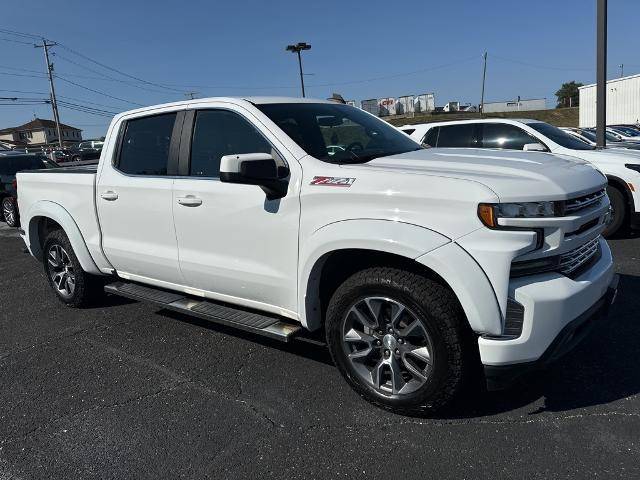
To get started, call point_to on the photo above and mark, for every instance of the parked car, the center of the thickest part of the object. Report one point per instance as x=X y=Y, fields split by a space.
x=9 y=166
x=87 y=150
x=589 y=136
x=621 y=166
x=415 y=262
x=625 y=134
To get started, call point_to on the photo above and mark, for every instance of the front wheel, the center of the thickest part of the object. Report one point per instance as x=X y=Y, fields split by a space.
x=618 y=212
x=72 y=285
x=10 y=212
x=397 y=337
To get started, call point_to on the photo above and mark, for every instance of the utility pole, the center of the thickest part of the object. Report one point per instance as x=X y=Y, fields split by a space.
x=191 y=95
x=621 y=70
x=484 y=76
x=54 y=104
x=601 y=75
x=297 y=48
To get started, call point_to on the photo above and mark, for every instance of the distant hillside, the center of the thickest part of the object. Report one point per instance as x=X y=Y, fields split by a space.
x=561 y=117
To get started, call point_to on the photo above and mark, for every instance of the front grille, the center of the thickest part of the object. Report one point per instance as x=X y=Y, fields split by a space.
x=572 y=261
x=585 y=201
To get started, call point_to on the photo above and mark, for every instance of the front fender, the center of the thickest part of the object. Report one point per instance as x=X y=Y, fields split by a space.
x=399 y=238
x=58 y=214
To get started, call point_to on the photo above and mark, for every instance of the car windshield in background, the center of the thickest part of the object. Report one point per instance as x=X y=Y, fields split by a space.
x=591 y=135
x=11 y=165
x=561 y=137
x=337 y=133
x=629 y=132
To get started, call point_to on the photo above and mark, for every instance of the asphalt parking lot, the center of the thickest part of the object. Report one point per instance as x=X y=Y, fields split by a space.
x=125 y=390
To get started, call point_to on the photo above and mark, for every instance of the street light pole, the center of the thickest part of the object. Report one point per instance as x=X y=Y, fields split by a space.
x=297 y=48
x=621 y=70
x=601 y=61
x=484 y=76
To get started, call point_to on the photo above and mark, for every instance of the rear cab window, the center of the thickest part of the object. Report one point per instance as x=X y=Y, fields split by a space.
x=457 y=136
x=144 y=148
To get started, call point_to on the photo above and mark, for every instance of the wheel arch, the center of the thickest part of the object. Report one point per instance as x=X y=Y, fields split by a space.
x=336 y=251
x=621 y=185
x=45 y=216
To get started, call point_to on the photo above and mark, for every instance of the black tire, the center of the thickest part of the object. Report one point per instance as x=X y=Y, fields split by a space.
x=10 y=212
x=86 y=287
x=437 y=309
x=619 y=212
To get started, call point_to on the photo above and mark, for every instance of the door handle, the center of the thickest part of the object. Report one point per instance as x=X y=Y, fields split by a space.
x=109 y=195
x=189 y=201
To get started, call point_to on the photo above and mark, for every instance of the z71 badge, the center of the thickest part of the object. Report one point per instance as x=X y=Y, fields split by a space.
x=333 y=181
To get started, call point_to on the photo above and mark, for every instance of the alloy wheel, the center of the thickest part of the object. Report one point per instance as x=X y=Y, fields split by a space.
x=8 y=211
x=61 y=270
x=387 y=345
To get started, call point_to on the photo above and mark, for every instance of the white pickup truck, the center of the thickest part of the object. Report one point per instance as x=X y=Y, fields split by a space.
x=417 y=263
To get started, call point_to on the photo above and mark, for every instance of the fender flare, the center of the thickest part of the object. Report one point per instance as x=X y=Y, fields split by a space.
x=399 y=238
x=58 y=214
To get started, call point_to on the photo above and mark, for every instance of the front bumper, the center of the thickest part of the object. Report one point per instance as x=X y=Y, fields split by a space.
x=501 y=376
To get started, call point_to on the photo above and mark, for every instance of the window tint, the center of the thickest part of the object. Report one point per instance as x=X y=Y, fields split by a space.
x=431 y=138
x=218 y=133
x=457 y=136
x=502 y=135
x=145 y=146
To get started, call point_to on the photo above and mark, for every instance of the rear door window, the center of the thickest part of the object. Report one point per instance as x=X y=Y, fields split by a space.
x=145 y=145
x=457 y=136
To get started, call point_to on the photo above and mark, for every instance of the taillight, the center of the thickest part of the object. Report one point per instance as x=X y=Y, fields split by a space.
x=15 y=183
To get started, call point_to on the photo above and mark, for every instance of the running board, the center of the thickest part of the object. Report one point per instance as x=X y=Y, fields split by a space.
x=250 y=321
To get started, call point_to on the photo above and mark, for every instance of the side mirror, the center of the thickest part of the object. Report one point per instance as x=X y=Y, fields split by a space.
x=256 y=169
x=534 y=147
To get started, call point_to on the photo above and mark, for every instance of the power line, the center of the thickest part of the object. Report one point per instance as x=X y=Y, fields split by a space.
x=544 y=67
x=16 y=41
x=70 y=50
x=21 y=34
x=97 y=91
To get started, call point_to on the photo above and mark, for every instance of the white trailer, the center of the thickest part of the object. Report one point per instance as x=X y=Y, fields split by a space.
x=623 y=102
x=517 y=105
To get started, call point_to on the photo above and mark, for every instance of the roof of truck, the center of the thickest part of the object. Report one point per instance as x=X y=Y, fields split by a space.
x=254 y=100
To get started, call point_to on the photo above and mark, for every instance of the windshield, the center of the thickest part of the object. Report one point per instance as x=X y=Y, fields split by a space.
x=629 y=132
x=562 y=138
x=338 y=133
x=591 y=135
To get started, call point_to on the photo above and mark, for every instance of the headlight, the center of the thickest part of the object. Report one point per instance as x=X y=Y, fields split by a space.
x=633 y=166
x=489 y=213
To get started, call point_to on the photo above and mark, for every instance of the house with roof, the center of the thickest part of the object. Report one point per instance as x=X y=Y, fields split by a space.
x=38 y=132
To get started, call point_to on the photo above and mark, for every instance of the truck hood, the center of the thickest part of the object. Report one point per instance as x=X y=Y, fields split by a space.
x=511 y=175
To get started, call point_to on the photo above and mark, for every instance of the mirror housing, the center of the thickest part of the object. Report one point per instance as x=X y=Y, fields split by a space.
x=534 y=147
x=255 y=169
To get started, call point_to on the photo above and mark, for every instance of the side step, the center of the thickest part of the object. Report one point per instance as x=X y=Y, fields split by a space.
x=263 y=324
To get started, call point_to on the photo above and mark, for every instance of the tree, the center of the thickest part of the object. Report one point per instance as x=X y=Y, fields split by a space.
x=568 y=94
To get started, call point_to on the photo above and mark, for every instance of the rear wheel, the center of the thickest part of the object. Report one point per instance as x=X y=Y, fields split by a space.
x=10 y=212
x=72 y=285
x=618 y=211
x=397 y=337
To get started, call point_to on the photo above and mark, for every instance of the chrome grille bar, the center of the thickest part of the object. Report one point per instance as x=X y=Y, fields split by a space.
x=580 y=203
x=571 y=261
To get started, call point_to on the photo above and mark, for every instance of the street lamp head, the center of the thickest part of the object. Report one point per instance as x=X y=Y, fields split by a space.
x=298 y=47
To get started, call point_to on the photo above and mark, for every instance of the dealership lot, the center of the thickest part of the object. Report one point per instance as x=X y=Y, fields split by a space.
x=125 y=390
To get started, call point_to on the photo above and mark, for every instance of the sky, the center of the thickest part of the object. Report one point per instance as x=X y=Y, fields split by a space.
x=150 y=52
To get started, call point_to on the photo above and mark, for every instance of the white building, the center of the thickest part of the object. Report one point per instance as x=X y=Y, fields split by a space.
x=518 y=105
x=623 y=102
